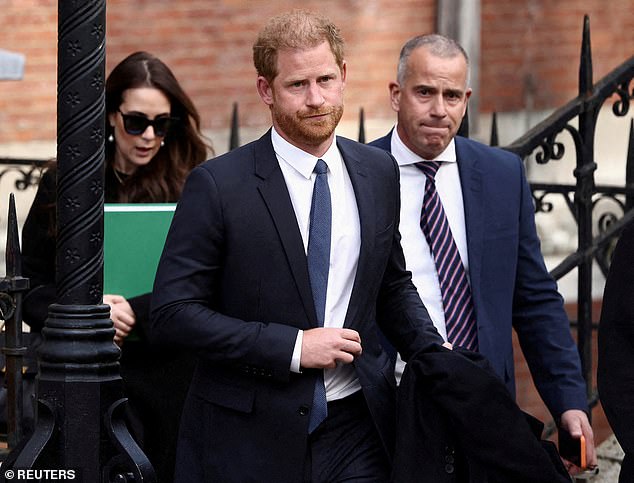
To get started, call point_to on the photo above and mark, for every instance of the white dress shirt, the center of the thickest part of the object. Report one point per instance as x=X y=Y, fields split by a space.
x=418 y=257
x=297 y=168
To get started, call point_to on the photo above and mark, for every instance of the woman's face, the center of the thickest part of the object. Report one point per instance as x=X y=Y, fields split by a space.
x=134 y=150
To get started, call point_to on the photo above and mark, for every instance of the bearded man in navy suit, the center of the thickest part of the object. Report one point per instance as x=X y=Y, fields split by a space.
x=488 y=205
x=235 y=284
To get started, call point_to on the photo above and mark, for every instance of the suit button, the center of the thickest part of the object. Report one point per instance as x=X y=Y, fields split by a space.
x=449 y=469
x=449 y=459
x=303 y=410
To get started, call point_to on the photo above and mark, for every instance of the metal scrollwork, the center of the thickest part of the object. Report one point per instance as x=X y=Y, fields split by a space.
x=30 y=173
x=550 y=150
x=542 y=206
x=605 y=220
x=576 y=137
x=7 y=306
x=604 y=223
x=622 y=105
x=608 y=217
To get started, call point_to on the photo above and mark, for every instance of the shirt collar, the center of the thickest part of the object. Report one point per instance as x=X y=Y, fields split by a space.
x=405 y=156
x=301 y=161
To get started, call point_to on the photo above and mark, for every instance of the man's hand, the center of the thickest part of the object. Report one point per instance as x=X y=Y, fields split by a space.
x=122 y=316
x=323 y=347
x=576 y=423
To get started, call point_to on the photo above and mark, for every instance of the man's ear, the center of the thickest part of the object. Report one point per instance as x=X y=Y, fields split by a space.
x=265 y=90
x=395 y=95
x=467 y=95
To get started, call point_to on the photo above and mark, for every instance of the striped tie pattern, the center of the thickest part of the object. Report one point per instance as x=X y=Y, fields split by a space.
x=454 y=285
x=318 y=258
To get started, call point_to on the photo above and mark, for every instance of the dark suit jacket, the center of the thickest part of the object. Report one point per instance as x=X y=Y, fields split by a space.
x=457 y=423
x=233 y=284
x=615 y=372
x=510 y=284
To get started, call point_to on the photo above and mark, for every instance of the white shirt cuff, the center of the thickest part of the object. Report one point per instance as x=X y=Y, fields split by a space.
x=297 y=353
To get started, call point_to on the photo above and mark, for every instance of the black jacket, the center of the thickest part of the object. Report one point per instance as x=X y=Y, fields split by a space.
x=615 y=371
x=458 y=423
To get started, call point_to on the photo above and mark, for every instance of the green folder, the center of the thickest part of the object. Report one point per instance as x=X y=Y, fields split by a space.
x=134 y=235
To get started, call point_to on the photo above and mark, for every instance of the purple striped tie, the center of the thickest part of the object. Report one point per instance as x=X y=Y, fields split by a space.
x=454 y=285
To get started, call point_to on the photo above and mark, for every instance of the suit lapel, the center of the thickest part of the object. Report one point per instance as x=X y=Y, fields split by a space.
x=471 y=180
x=365 y=204
x=275 y=194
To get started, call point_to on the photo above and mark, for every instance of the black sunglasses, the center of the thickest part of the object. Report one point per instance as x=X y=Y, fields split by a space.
x=136 y=124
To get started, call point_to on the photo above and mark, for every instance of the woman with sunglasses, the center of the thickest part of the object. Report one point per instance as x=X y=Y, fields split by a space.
x=153 y=141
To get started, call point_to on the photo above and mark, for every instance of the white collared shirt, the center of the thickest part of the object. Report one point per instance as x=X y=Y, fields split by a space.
x=418 y=258
x=297 y=168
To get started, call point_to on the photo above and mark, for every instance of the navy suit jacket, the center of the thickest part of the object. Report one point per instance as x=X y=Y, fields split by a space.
x=510 y=284
x=233 y=285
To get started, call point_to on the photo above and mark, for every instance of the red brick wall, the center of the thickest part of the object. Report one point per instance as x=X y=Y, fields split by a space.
x=212 y=51
x=529 y=56
x=28 y=107
x=208 y=46
x=530 y=49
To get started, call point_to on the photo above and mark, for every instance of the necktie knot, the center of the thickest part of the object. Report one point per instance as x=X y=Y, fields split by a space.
x=430 y=168
x=321 y=167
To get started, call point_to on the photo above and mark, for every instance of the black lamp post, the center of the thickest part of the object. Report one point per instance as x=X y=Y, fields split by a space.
x=79 y=420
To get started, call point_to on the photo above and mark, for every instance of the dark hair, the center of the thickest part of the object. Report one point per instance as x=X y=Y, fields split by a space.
x=185 y=147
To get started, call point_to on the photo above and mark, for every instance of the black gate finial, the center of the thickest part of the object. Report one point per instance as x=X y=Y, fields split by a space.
x=12 y=287
x=585 y=64
x=361 y=126
x=494 y=130
x=234 y=137
x=629 y=168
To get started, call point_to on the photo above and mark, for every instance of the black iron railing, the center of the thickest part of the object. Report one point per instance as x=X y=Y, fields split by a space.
x=582 y=197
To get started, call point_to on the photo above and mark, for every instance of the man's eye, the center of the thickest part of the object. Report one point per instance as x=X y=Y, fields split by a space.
x=453 y=97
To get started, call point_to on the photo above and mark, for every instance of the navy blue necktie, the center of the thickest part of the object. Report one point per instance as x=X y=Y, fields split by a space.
x=318 y=266
x=452 y=276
